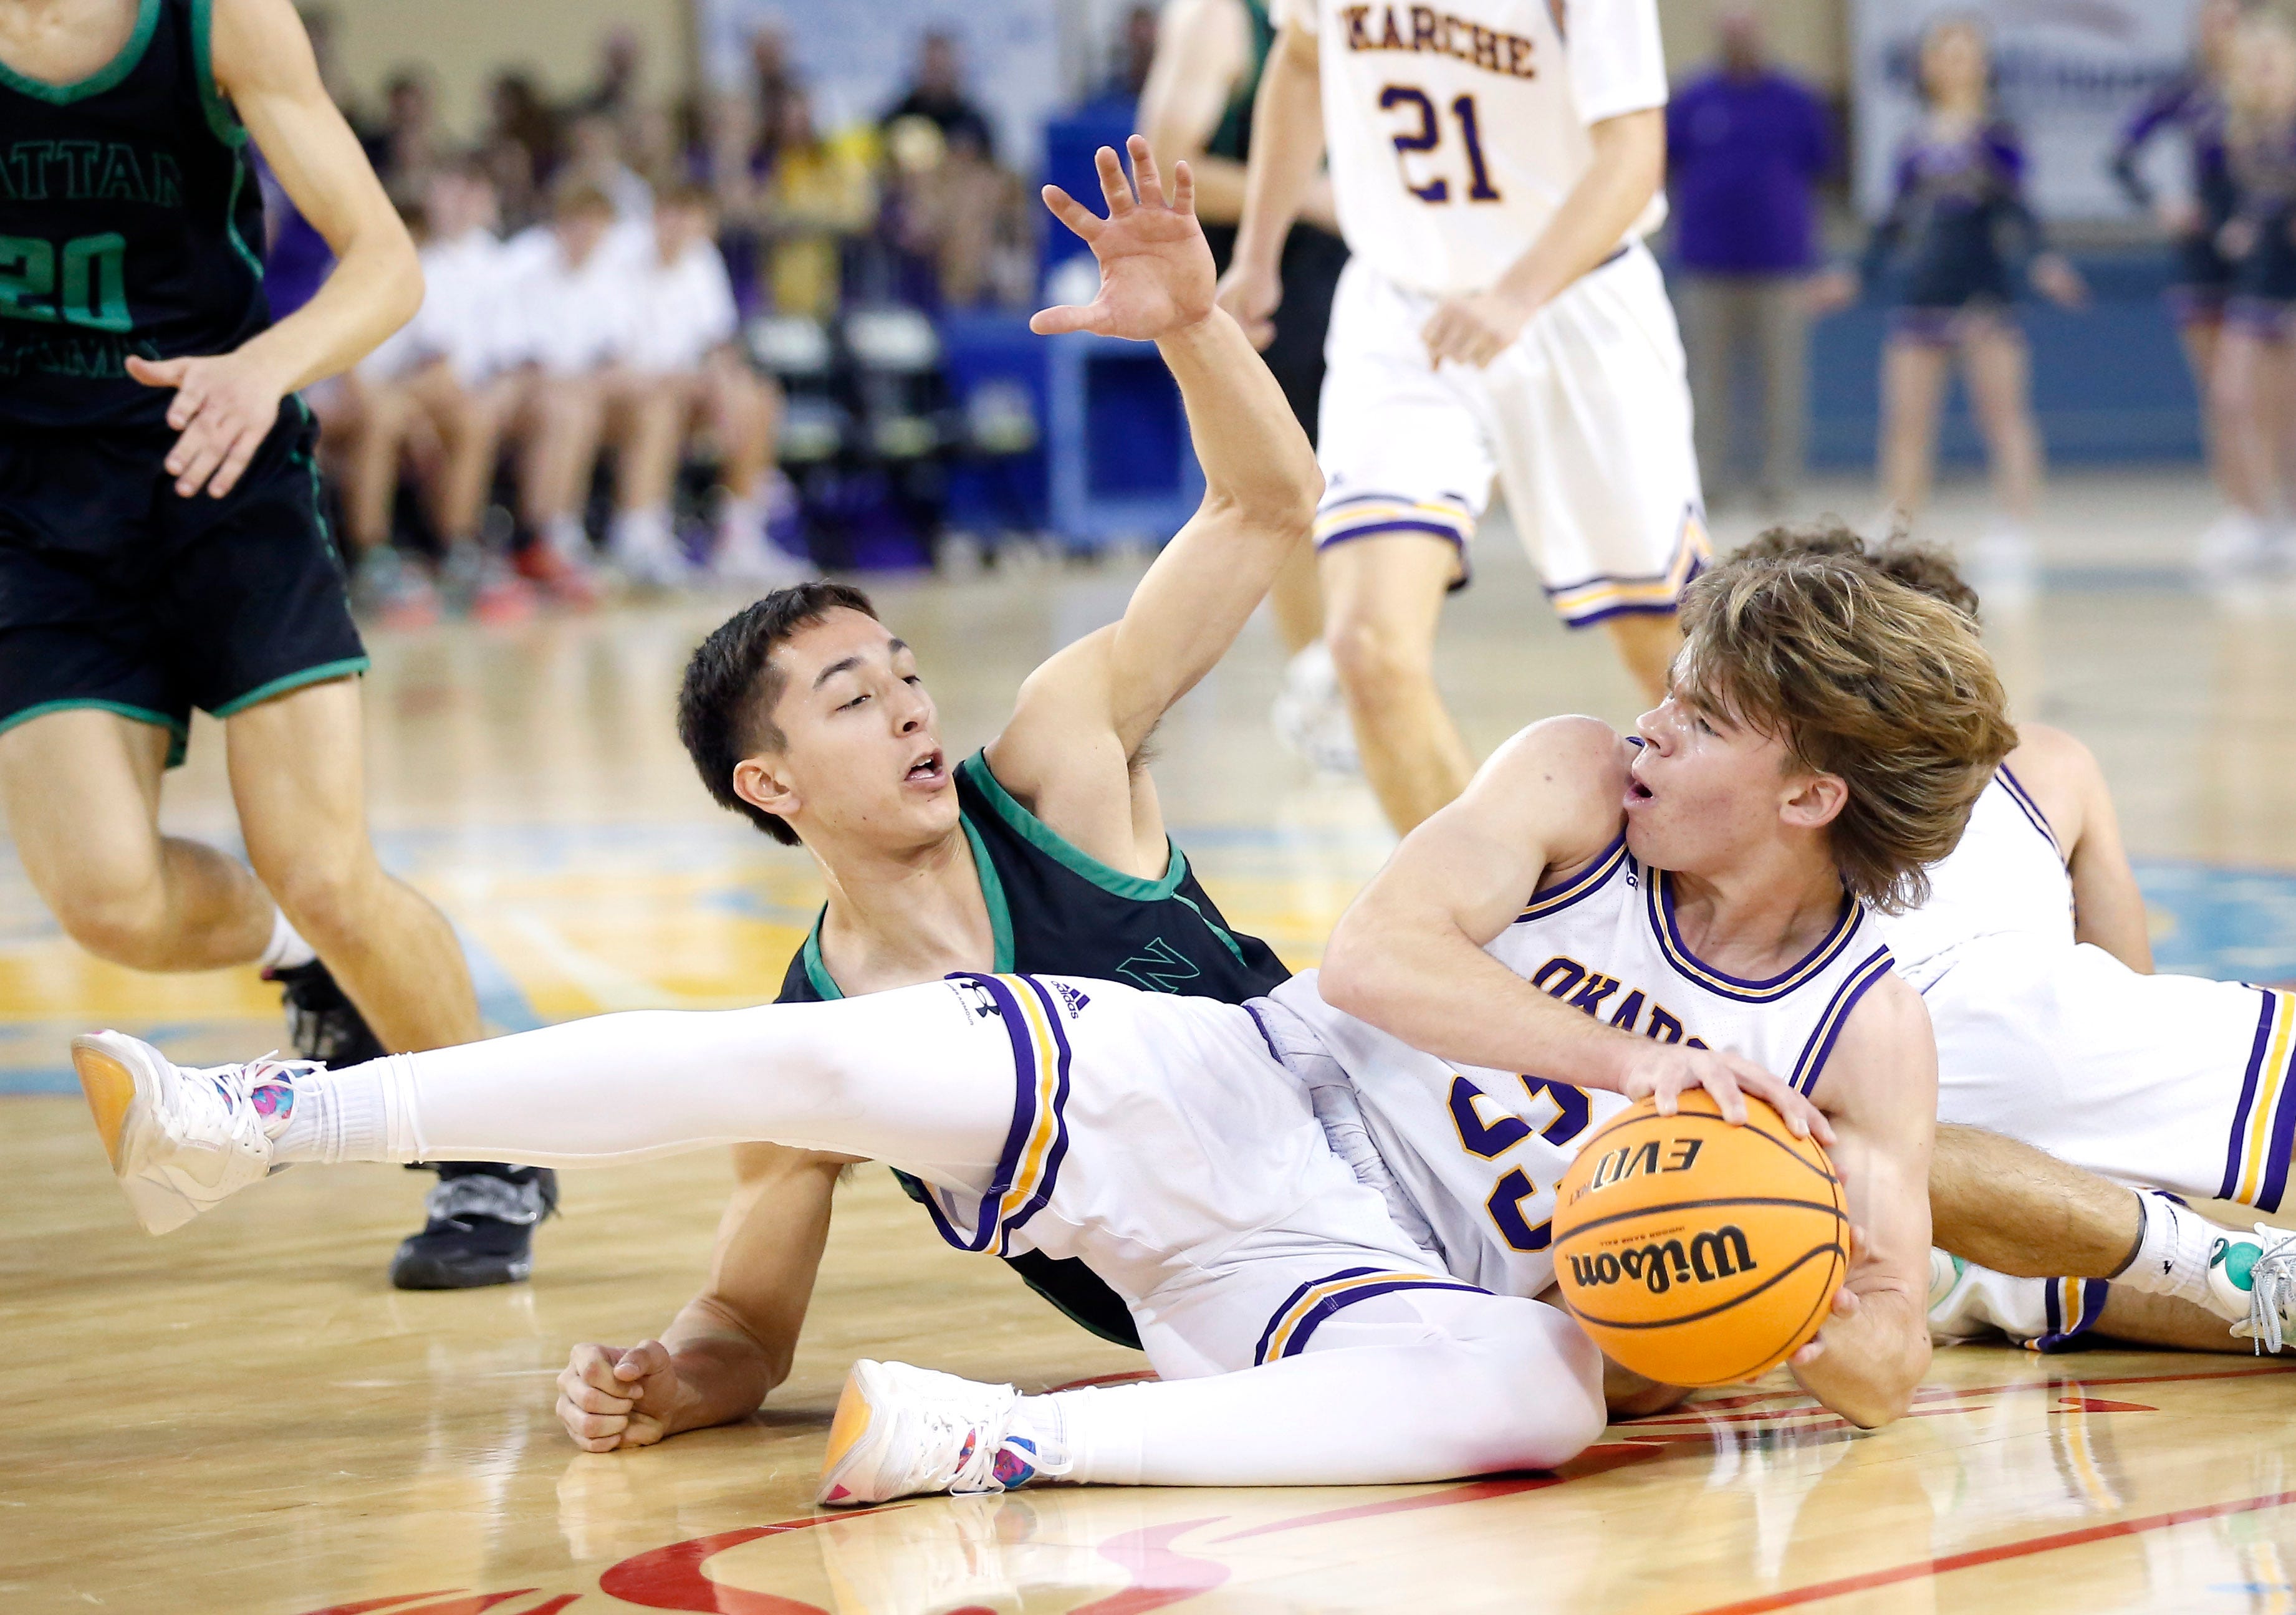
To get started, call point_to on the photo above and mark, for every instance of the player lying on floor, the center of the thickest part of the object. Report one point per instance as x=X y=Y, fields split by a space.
x=1175 y=1145
x=2054 y=1036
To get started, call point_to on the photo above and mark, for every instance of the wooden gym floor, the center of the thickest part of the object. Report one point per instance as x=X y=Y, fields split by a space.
x=245 y=1418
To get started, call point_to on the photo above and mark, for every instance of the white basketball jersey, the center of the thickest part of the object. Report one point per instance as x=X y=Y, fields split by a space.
x=2006 y=875
x=1479 y=1153
x=1455 y=131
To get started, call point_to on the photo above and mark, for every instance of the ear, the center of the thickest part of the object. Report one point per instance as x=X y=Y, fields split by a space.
x=757 y=780
x=1818 y=803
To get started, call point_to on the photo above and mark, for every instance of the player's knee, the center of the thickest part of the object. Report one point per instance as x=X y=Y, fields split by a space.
x=1377 y=659
x=325 y=897
x=123 y=921
x=1538 y=1382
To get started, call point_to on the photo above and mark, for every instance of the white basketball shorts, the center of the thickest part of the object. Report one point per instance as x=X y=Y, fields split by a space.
x=1584 y=422
x=2161 y=1082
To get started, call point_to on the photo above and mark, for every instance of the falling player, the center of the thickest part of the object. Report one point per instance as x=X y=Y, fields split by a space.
x=161 y=542
x=1177 y=1145
x=1496 y=166
x=2054 y=1034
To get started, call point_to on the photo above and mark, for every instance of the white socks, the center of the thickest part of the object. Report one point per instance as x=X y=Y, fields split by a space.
x=2172 y=1254
x=340 y=1116
x=286 y=950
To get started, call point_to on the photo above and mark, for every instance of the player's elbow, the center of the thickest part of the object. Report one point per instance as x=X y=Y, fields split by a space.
x=1885 y=1393
x=398 y=291
x=1354 y=973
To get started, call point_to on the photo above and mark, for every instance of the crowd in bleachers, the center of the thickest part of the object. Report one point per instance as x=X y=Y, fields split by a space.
x=588 y=394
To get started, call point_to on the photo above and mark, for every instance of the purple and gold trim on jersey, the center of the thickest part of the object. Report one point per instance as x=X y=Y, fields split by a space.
x=1587 y=881
x=2030 y=809
x=1590 y=600
x=1364 y=515
x=2263 y=1126
x=1657 y=901
x=1303 y=1312
x=1836 y=1015
x=2072 y=1306
x=1038 y=1139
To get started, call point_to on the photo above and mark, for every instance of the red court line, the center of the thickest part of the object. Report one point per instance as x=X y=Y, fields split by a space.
x=1818 y=1591
x=1931 y=1393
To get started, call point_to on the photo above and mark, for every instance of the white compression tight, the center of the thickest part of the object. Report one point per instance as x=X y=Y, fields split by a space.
x=1430 y=1384
x=1415 y=1385
x=912 y=1077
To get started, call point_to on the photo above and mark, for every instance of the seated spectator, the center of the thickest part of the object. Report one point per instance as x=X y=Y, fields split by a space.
x=521 y=145
x=408 y=144
x=1134 y=54
x=432 y=396
x=938 y=96
x=622 y=63
x=680 y=370
x=566 y=310
x=819 y=192
x=963 y=215
x=594 y=158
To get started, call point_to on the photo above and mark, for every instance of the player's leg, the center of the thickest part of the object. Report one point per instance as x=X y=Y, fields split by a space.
x=2237 y=398
x=1383 y=593
x=558 y=433
x=1591 y=419
x=82 y=791
x=745 y=411
x=1710 y=339
x=2200 y=332
x=1915 y=363
x=1782 y=317
x=647 y=419
x=1645 y=641
x=1998 y=363
x=1437 y=1382
x=299 y=780
x=470 y=423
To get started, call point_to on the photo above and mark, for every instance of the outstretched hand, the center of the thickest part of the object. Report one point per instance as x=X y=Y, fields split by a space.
x=1155 y=267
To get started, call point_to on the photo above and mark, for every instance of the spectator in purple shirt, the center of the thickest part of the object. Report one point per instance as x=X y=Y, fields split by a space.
x=1745 y=145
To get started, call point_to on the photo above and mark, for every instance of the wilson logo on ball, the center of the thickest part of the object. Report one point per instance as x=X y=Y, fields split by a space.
x=1660 y=1265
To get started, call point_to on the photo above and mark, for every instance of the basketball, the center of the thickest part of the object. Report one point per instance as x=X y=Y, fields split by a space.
x=1696 y=1252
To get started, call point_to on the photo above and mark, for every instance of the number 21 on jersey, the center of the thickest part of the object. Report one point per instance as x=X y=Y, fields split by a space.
x=1426 y=135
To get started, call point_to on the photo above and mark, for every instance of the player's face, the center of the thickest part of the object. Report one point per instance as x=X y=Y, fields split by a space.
x=863 y=753
x=1954 y=66
x=1702 y=792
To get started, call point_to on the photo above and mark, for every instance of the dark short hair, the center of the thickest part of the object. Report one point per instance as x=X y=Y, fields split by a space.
x=686 y=194
x=725 y=704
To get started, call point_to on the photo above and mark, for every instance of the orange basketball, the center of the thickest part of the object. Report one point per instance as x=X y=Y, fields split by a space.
x=1696 y=1252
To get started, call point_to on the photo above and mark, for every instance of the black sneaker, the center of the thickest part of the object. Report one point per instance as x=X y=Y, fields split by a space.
x=481 y=1230
x=322 y=1021
x=479 y=1226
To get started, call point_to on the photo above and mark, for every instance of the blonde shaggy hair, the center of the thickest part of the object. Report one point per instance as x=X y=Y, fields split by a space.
x=1860 y=677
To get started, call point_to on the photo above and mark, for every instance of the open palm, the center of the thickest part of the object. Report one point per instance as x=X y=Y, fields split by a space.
x=1155 y=268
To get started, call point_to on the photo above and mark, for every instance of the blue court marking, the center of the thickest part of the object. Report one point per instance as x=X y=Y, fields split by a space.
x=2238 y=925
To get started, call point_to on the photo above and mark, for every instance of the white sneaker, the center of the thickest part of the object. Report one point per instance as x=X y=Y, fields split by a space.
x=746 y=557
x=2002 y=568
x=1311 y=716
x=2234 y=548
x=181 y=1139
x=2258 y=1272
x=644 y=549
x=900 y=1432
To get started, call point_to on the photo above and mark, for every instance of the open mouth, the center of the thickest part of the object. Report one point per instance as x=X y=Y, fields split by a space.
x=930 y=769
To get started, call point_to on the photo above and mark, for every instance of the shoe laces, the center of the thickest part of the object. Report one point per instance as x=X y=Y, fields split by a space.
x=221 y=1098
x=2272 y=1290
x=976 y=1468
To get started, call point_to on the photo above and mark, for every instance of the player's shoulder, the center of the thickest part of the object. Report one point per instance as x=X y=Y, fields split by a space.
x=2058 y=771
x=1568 y=773
x=1885 y=1057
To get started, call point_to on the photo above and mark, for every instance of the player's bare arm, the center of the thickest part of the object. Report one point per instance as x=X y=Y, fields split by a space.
x=1880 y=1092
x=1287 y=148
x=1628 y=167
x=226 y=404
x=1408 y=956
x=731 y=1345
x=1202 y=47
x=1083 y=716
x=2062 y=777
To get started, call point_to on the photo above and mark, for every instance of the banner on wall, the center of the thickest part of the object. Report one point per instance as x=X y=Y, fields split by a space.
x=2068 y=73
x=857 y=56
